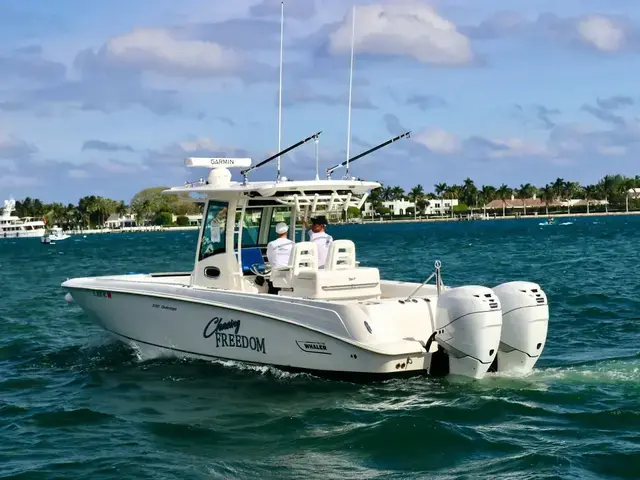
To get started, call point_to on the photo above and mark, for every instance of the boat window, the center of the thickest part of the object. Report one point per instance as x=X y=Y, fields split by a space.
x=280 y=214
x=213 y=238
x=250 y=227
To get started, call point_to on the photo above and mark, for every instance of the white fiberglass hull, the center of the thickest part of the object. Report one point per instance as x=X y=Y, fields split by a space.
x=54 y=238
x=265 y=330
x=459 y=332
x=23 y=234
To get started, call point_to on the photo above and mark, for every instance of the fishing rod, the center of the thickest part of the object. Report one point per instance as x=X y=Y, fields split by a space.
x=371 y=150
x=279 y=154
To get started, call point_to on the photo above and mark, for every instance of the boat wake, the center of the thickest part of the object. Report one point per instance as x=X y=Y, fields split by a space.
x=613 y=371
x=547 y=224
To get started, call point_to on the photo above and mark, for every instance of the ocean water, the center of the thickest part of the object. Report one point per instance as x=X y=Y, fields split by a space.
x=76 y=404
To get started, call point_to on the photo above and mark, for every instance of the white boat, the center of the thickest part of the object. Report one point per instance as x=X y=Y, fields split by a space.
x=340 y=319
x=55 y=234
x=16 y=227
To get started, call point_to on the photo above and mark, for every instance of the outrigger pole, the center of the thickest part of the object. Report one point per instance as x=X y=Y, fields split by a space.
x=278 y=155
x=371 y=150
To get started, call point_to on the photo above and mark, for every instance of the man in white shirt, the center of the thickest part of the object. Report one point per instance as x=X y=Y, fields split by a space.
x=321 y=238
x=279 y=250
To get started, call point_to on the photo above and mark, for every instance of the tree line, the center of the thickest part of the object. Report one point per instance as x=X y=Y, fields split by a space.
x=149 y=205
x=153 y=207
x=612 y=188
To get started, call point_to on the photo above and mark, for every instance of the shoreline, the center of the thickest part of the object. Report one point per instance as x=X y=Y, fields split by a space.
x=498 y=217
x=96 y=231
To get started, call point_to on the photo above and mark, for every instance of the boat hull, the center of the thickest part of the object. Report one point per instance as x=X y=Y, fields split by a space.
x=23 y=234
x=206 y=329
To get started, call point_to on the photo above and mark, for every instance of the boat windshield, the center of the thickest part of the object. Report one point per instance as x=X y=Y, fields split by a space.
x=213 y=237
x=250 y=227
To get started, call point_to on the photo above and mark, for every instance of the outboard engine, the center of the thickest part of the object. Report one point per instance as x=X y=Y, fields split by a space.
x=468 y=326
x=525 y=318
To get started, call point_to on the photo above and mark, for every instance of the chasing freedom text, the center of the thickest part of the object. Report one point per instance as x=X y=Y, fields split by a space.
x=226 y=334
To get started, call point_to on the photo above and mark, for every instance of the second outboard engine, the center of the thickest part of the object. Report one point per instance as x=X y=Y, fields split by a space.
x=525 y=318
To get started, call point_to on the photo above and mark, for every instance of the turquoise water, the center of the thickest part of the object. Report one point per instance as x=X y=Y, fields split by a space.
x=75 y=404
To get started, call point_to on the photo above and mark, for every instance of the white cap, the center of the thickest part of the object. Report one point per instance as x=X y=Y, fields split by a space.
x=282 y=227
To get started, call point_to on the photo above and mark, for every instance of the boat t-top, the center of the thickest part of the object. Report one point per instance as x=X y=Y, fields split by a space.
x=341 y=319
x=16 y=227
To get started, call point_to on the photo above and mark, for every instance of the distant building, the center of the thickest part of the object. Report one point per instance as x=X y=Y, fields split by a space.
x=194 y=220
x=404 y=207
x=120 y=221
x=534 y=202
x=633 y=193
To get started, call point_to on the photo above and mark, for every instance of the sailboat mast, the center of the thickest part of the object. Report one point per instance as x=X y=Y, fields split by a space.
x=280 y=87
x=353 y=32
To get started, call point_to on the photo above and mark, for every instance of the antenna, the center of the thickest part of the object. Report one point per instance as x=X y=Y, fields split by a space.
x=277 y=155
x=280 y=87
x=371 y=150
x=353 y=35
x=316 y=145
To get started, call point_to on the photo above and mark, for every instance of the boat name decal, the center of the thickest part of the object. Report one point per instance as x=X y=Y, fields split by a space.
x=226 y=335
x=98 y=293
x=164 y=307
x=313 y=347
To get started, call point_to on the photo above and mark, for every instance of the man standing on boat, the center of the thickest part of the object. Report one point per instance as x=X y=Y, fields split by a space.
x=278 y=252
x=321 y=238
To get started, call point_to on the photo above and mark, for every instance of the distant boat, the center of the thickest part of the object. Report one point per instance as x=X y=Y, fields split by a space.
x=16 y=227
x=55 y=234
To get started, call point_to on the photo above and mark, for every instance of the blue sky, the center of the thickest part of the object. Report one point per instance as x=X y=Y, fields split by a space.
x=108 y=97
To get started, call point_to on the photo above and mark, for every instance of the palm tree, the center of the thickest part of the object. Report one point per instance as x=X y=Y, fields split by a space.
x=525 y=192
x=548 y=195
x=570 y=191
x=590 y=193
x=470 y=192
x=386 y=194
x=487 y=195
x=441 y=191
x=608 y=188
x=503 y=193
x=415 y=195
x=397 y=193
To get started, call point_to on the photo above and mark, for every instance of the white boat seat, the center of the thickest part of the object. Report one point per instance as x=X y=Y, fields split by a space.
x=341 y=278
x=341 y=255
x=303 y=258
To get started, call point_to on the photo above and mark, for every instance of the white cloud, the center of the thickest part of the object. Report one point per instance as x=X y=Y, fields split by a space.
x=517 y=147
x=438 y=140
x=12 y=148
x=602 y=33
x=19 y=181
x=612 y=150
x=113 y=166
x=158 y=50
x=198 y=144
x=442 y=142
x=78 y=173
x=9 y=165
x=403 y=28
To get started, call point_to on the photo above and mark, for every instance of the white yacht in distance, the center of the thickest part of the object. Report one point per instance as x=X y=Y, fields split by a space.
x=340 y=319
x=16 y=227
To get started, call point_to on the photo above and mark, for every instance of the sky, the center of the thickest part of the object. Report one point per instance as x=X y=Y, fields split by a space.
x=109 y=97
